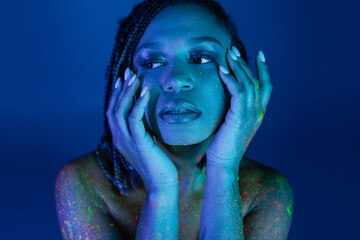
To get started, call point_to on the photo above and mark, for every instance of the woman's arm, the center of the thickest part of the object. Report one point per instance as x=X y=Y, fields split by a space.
x=269 y=218
x=221 y=214
x=160 y=216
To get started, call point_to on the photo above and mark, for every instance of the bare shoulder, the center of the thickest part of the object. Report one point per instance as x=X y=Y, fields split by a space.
x=268 y=185
x=259 y=171
x=265 y=176
x=81 y=210
x=82 y=174
x=86 y=170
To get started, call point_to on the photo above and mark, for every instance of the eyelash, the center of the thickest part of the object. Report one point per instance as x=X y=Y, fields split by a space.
x=209 y=57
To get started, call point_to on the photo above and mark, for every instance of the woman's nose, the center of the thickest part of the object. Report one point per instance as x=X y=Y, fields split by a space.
x=177 y=79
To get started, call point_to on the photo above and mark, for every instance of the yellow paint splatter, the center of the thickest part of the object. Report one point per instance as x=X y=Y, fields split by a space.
x=260 y=115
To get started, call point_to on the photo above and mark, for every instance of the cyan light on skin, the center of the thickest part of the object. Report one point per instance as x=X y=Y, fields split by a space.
x=68 y=201
x=183 y=69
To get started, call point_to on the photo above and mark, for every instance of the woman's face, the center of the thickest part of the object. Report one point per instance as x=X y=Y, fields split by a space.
x=181 y=65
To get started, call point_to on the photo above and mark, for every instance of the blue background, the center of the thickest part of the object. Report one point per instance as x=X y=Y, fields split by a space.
x=53 y=60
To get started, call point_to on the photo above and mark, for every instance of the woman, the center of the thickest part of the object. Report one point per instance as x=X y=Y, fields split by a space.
x=179 y=95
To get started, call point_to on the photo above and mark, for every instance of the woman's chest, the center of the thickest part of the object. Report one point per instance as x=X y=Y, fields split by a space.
x=126 y=211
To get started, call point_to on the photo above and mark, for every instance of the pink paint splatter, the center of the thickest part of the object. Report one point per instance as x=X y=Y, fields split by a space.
x=176 y=43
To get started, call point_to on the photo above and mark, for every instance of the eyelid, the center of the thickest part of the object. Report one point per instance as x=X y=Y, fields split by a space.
x=199 y=54
x=203 y=55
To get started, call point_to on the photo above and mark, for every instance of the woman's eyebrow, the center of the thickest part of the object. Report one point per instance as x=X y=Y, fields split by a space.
x=197 y=40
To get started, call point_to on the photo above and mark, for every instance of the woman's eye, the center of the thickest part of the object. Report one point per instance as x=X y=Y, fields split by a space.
x=151 y=65
x=202 y=59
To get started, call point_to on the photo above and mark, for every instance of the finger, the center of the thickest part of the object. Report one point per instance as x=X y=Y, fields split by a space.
x=237 y=92
x=243 y=78
x=246 y=68
x=127 y=76
x=125 y=104
x=244 y=65
x=135 y=120
x=115 y=97
x=264 y=79
x=112 y=102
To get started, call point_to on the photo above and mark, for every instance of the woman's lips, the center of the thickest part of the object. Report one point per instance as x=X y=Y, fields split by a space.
x=179 y=118
x=178 y=106
x=180 y=111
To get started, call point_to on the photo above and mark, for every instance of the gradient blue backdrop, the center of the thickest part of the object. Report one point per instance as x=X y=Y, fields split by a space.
x=53 y=60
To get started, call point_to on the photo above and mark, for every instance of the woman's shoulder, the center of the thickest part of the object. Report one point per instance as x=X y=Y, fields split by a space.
x=260 y=174
x=266 y=183
x=88 y=161
x=254 y=176
x=256 y=169
x=87 y=169
x=251 y=172
x=86 y=165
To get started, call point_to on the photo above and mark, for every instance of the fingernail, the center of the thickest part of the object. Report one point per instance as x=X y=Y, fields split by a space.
x=261 y=56
x=232 y=55
x=117 y=83
x=224 y=70
x=132 y=79
x=143 y=91
x=236 y=51
x=126 y=75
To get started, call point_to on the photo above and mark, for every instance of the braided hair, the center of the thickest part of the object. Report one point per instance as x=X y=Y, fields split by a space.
x=127 y=38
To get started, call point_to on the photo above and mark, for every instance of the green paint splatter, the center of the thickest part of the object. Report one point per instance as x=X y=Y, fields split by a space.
x=281 y=185
x=64 y=233
x=68 y=225
x=90 y=213
x=238 y=178
x=260 y=116
x=288 y=210
x=256 y=84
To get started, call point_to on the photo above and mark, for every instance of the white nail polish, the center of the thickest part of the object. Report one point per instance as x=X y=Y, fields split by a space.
x=261 y=56
x=143 y=91
x=132 y=79
x=117 y=83
x=224 y=70
x=236 y=51
x=126 y=75
x=232 y=55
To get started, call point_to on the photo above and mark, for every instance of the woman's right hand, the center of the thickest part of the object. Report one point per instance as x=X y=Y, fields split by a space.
x=131 y=139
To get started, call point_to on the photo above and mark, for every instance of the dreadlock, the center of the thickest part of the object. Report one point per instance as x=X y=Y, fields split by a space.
x=127 y=38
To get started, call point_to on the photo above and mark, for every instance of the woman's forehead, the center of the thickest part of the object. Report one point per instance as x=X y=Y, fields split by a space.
x=184 y=23
x=184 y=16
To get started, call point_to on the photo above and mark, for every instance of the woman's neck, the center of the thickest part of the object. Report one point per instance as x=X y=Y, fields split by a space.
x=186 y=158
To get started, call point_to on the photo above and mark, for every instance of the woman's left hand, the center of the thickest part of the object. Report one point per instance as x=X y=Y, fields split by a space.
x=249 y=98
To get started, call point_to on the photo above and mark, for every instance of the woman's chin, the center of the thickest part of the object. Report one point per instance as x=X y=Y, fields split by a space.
x=182 y=139
x=177 y=141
